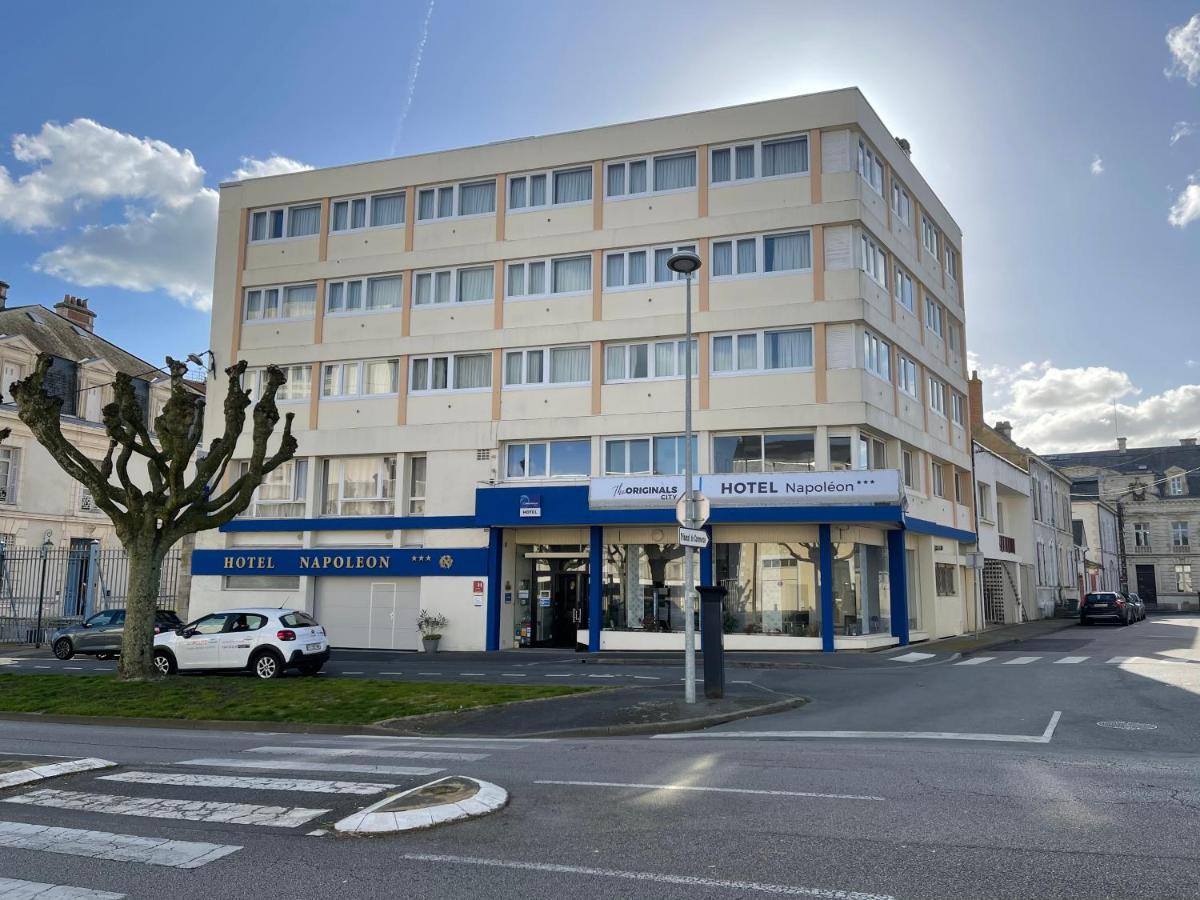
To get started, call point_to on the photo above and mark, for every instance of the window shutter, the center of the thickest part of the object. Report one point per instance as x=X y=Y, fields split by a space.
x=839 y=250
x=839 y=346
x=835 y=151
x=14 y=477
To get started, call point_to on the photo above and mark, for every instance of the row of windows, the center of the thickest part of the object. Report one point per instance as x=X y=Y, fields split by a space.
x=873 y=261
x=1180 y=535
x=877 y=359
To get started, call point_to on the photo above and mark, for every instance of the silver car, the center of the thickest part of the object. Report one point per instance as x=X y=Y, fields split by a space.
x=100 y=635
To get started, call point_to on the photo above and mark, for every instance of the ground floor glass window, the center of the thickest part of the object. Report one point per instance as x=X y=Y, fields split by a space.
x=643 y=587
x=771 y=588
x=862 y=601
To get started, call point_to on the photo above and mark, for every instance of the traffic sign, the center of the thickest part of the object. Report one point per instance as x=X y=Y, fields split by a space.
x=701 y=506
x=693 y=537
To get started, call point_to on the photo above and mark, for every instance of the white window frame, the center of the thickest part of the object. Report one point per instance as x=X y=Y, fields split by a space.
x=549 y=444
x=760 y=254
x=951 y=262
x=286 y=213
x=900 y=280
x=1141 y=534
x=1183 y=578
x=10 y=484
x=1175 y=486
x=549 y=176
x=870 y=166
x=756 y=145
x=651 y=359
x=451 y=362
x=901 y=203
x=644 y=437
x=456 y=194
x=548 y=280
x=414 y=501
x=910 y=468
x=762 y=446
x=929 y=233
x=907 y=376
x=934 y=316
x=760 y=352
x=388 y=467
x=872 y=258
x=547 y=353
x=651 y=273
x=455 y=279
x=369 y=200
x=877 y=356
x=365 y=282
x=937 y=395
x=361 y=365
x=253 y=382
x=649 y=161
x=1180 y=535
x=957 y=409
x=281 y=291
x=938 y=474
x=294 y=471
x=985 y=504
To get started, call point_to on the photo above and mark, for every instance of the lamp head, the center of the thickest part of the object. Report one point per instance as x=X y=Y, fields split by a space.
x=685 y=262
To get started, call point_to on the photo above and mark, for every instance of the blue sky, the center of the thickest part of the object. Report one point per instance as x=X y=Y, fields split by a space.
x=1007 y=105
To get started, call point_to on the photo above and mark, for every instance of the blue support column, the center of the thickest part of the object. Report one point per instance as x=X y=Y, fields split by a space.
x=826 y=588
x=595 y=586
x=495 y=585
x=898 y=580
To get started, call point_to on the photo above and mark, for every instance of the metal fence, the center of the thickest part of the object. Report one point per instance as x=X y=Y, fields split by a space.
x=62 y=585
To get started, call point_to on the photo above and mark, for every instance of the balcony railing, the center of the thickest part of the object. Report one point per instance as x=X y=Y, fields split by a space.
x=1007 y=544
x=1140 y=549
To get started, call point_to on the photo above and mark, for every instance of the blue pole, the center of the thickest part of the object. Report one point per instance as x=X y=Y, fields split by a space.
x=898 y=579
x=826 y=588
x=495 y=583
x=595 y=586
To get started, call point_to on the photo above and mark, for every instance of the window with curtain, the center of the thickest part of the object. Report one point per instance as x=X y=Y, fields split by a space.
x=570 y=365
x=902 y=289
x=629 y=178
x=787 y=349
x=259 y=225
x=433 y=287
x=387 y=209
x=528 y=191
x=571 y=274
x=554 y=459
x=658 y=359
x=416 y=485
x=472 y=370
x=675 y=172
x=385 y=293
x=787 y=252
x=524 y=367
x=359 y=486
x=477 y=198
x=347 y=215
x=788 y=156
x=476 y=284
x=299 y=301
x=381 y=376
x=722 y=165
x=782 y=452
x=625 y=268
x=298 y=385
x=527 y=279
x=743 y=162
x=573 y=185
x=265 y=303
x=427 y=205
x=304 y=220
x=736 y=256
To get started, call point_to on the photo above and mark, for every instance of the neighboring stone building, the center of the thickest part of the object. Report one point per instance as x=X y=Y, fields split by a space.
x=1155 y=494
x=1098 y=518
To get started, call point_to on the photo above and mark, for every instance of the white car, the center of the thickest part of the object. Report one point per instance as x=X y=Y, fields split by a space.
x=265 y=641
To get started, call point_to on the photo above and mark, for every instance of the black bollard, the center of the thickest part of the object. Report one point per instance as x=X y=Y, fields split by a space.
x=712 y=640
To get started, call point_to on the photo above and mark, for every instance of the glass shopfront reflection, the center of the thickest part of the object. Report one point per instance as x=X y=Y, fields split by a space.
x=643 y=587
x=771 y=588
x=862 y=600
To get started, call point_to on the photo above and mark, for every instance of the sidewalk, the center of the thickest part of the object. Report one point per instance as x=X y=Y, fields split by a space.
x=1005 y=634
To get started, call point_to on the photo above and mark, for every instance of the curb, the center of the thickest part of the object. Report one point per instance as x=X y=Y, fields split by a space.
x=487 y=799
x=41 y=773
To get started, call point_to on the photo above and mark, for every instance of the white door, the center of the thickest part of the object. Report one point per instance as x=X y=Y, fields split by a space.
x=199 y=647
x=381 y=615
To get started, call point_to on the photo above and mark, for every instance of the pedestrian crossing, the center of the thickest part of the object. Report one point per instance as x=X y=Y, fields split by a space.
x=1064 y=660
x=256 y=788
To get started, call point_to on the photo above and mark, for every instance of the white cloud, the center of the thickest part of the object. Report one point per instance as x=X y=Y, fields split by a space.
x=1097 y=166
x=1184 y=43
x=1181 y=131
x=1056 y=410
x=413 y=72
x=166 y=238
x=1191 y=363
x=1186 y=208
x=272 y=165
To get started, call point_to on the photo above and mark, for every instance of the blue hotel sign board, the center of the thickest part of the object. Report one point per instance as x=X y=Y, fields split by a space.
x=375 y=563
x=531 y=506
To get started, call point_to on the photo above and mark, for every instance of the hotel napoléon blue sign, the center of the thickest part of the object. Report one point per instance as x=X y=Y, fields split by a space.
x=377 y=563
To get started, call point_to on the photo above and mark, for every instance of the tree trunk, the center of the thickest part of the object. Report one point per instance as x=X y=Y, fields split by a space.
x=137 y=644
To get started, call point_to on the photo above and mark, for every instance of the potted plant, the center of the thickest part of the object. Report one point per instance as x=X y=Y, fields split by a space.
x=431 y=627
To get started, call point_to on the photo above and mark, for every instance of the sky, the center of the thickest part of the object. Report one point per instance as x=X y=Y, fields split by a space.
x=1063 y=137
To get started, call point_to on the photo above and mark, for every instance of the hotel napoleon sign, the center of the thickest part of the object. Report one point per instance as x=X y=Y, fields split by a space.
x=768 y=489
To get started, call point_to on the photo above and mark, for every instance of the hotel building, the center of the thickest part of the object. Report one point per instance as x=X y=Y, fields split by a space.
x=486 y=361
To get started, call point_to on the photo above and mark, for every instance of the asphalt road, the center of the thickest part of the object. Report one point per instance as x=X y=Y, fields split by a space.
x=926 y=777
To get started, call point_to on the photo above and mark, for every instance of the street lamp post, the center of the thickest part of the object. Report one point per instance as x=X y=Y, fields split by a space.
x=686 y=263
x=46 y=545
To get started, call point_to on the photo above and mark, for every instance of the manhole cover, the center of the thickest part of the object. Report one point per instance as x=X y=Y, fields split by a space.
x=1128 y=726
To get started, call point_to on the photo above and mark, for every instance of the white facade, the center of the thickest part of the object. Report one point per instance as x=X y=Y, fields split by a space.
x=1056 y=563
x=1100 y=526
x=1005 y=516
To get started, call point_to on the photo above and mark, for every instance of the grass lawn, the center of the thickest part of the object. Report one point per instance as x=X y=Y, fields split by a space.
x=336 y=701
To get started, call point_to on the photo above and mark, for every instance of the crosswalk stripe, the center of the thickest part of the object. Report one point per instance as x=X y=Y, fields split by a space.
x=975 y=661
x=1119 y=659
x=118 y=847
x=1021 y=661
x=1068 y=660
x=159 y=808
x=370 y=751
x=301 y=785
x=295 y=764
x=16 y=889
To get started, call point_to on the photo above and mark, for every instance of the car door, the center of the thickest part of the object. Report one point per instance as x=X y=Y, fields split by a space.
x=199 y=645
x=90 y=638
x=242 y=635
x=109 y=639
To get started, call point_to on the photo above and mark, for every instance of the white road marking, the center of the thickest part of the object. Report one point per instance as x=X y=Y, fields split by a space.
x=39 y=773
x=548 y=675
x=715 y=790
x=512 y=675
x=370 y=751
x=647 y=677
x=352 y=673
x=159 y=808
x=41 y=667
x=466 y=674
x=975 y=661
x=1119 y=659
x=1043 y=738
x=1021 y=661
x=119 y=847
x=914 y=656
x=599 y=676
x=15 y=889
x=301 y=785
x=429 y=673
x=381 y=673
x=74 y=668
x=1069 y=660
x=656 y=877
x=306 y=765
x=385 y=739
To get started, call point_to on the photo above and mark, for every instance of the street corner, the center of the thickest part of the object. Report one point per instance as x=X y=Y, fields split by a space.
x=20 y=770
x=450 y=799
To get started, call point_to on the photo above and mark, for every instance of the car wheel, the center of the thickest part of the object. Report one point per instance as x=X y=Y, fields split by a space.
x=311 y=668
x=266 y=666
x=164 y=663
x=63 y=649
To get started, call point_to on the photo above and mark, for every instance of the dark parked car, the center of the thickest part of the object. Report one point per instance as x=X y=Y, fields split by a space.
x=1106 y=606
x=1139 y=606
x=100 y=635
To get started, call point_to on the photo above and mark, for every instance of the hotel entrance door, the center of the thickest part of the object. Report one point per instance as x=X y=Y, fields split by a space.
x=552 y=596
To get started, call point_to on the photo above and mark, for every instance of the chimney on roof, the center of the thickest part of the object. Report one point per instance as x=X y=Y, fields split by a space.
x=974 y=400
x=3 y=294
x=75 y=309
x=1121 y=444
x=1187 y=442
x=904 y=145
x=1004 y=429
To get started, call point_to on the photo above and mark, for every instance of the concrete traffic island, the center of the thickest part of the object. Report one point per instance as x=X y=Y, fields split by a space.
x=449 y=799
x=15 y=770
